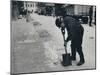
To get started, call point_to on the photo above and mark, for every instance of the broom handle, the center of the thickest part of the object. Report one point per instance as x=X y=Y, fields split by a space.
x=63 y=33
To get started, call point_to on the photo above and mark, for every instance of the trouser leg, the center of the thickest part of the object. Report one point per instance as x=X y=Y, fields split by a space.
x=73 y=52
x=80 y=52
x=90 y=21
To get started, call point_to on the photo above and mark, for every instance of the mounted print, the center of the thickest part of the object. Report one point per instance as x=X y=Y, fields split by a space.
x=52 y=37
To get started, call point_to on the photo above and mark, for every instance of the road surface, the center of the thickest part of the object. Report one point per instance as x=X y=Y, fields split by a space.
x=37 y=46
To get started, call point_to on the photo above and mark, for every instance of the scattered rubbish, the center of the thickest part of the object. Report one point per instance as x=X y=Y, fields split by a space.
x=36 y=23
x=91 y=37
x=55 y=63
x=44 y=34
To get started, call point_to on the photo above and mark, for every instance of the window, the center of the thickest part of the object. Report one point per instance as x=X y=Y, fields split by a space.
x=31 y=5
x=26 y=5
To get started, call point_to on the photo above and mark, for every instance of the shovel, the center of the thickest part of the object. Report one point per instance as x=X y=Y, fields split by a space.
x=66 y=58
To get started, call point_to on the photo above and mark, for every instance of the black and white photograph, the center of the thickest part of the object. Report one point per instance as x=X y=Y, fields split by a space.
x=52 y=37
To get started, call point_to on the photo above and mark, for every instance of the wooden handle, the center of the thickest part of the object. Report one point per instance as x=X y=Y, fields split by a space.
x=64 y=40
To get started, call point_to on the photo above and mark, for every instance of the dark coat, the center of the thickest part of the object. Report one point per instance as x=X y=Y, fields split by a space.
x=74 y=28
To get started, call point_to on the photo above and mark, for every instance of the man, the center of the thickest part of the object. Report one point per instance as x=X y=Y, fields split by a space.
x=90 y=15
x=75 y=35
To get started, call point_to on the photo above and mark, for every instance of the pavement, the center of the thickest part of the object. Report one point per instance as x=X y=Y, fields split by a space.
x=37 y=46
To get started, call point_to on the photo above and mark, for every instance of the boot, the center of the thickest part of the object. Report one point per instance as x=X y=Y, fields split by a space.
x=73 y=58
x=80 y=63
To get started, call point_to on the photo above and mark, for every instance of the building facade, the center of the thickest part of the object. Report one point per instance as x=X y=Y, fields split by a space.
x=30 y=6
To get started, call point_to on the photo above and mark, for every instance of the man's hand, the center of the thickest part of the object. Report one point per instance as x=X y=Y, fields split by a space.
x=63 y=30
